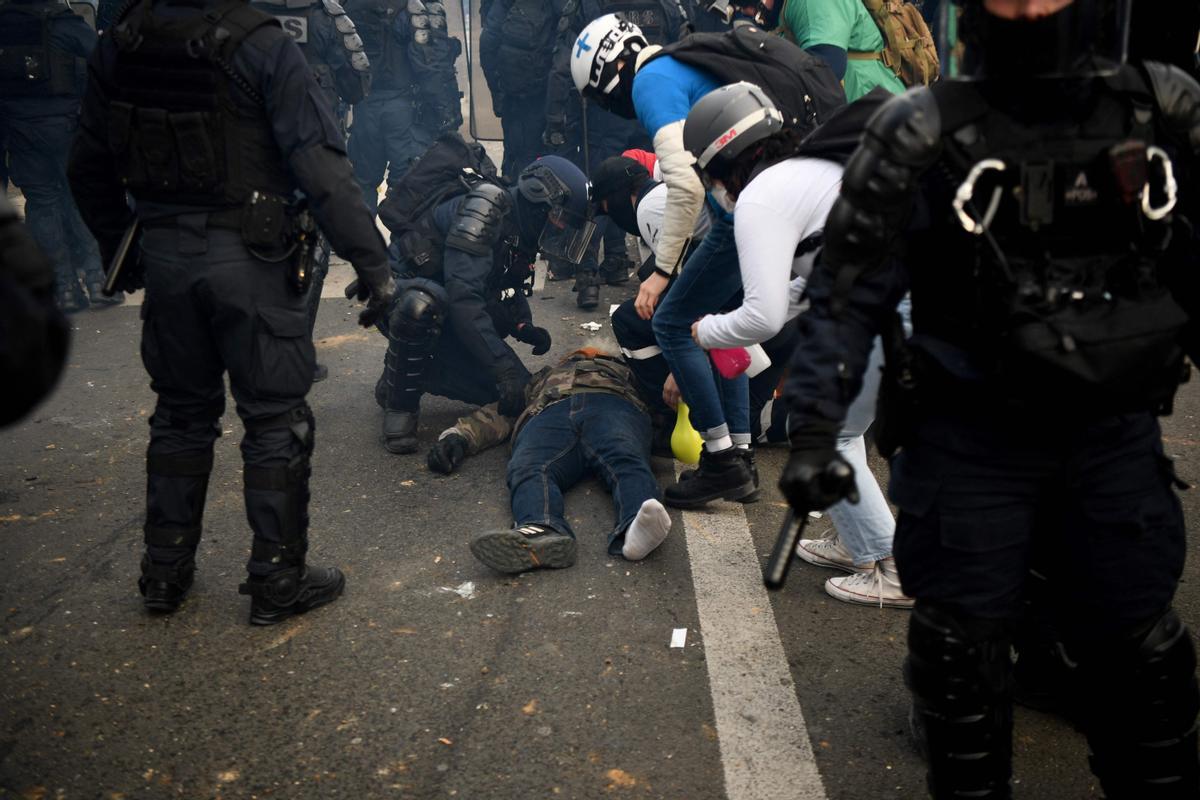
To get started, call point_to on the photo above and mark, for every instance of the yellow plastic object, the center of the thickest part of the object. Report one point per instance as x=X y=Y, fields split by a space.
x=685 y=441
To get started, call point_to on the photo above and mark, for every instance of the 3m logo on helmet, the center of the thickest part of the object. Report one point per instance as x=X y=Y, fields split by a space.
x=726 y=138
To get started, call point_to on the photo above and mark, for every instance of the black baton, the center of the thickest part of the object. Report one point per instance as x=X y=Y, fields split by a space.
x=117 y=266
x=785 y=550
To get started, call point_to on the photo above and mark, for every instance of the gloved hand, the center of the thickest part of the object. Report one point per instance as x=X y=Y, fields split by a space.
x=375 y=286
x=512 y=394
x=447 y=454
x=555 y=134
x=816 y=475
x=528 y=333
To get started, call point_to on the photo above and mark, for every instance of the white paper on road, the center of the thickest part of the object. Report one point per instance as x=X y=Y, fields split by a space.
x=679 y=637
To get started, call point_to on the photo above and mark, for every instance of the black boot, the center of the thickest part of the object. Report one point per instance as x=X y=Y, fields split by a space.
x=400 y=432
x=96 y=295
x=71 y=298
x=320 y=373
x=723 y=475
x=615 y=271
x=165 y=586
x=746 y=453
x=587 y=286
x=291 y=591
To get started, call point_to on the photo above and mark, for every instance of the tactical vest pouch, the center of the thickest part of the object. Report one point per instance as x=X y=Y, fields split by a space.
x=21 y=66
x=1124 y=351
x=29 y=65
x=909 y=50
x=266 y=227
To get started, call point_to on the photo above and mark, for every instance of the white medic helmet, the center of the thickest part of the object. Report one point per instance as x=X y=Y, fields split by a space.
x=596 y=51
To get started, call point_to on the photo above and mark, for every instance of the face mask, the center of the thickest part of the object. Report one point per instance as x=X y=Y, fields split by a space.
x=623 y=214
x=722 y=198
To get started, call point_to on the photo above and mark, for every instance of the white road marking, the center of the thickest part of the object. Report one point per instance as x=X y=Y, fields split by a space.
x=766 y=753
x=539 y=276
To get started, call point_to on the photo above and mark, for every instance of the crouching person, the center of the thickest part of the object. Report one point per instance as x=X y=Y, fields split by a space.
x=582 y=416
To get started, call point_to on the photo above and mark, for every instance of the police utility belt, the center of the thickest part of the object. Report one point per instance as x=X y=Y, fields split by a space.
x=274 y=229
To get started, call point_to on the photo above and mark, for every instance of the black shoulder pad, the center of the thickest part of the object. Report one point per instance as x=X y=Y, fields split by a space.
x=1178 y=96
x=479 y=223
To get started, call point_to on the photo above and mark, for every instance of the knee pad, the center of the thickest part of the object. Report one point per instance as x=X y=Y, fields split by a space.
x=1144 y=701
x=416 y=316
x=958 y=671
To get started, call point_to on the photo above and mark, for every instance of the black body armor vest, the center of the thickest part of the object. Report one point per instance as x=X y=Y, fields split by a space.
x=376 y=20
x=1041 y=271
x=177 y=132
x=29 y=66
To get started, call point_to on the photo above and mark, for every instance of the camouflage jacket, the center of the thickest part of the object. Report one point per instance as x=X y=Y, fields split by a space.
x=487 y=427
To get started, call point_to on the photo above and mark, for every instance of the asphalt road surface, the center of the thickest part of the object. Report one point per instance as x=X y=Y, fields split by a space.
x=434 y=677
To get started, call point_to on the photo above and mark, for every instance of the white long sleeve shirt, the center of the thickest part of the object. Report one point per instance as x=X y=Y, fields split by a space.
x=784 y=205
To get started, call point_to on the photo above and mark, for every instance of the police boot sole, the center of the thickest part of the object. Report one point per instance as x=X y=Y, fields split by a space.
x=307 y=601
x=587 y=301
x=163 y=605
x=738 y=494
x=400 y=447
x=511 y=552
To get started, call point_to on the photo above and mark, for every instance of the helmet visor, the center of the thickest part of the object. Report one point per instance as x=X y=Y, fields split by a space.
x=566 y=235
x=1083 y=38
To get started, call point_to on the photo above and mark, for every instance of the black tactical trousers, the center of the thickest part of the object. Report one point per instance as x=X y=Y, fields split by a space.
x=211 y=307
x=1092 y=508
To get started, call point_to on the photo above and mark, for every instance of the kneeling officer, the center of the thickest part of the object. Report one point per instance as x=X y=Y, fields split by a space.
x=461 y=293
x=207 y=114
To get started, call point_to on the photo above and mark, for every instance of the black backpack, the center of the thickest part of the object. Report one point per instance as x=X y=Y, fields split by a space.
x=449 y=168
x=802 y=85
x=836 y=138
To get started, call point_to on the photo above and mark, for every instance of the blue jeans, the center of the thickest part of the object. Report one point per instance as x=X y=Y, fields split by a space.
x=710 y=278
x=385 y=136
x=592 y=432
x=38 y=149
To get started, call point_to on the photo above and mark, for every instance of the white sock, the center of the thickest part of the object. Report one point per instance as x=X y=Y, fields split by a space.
x=718 y=444
x=647 y=531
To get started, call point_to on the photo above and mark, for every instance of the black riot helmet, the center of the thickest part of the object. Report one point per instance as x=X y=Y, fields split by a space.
x=1013 y=40
x=554 y=205
x=725 y=123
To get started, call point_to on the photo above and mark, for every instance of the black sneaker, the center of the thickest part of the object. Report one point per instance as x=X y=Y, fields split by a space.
x=400 y=432
x=521 y=549
x=723 y=475
x=97 y=297
x=291 y=591
x=165 y=586
x=748 y=454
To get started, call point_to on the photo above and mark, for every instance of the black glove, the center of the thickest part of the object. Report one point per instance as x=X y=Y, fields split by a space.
x=538 y=337
x=512 y=395
x=377 y=287
x=447 y=454
x=816 y=475
x=555 y=134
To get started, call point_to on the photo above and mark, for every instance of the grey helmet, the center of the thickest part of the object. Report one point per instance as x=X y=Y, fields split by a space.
x=728 y=120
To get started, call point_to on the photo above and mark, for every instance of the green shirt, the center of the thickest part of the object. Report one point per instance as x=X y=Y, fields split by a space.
x=846 y=24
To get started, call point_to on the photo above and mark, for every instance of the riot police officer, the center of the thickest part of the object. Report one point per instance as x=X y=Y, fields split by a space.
x=204 y=114
x=447 y=328
x=515 y=50
x=331 y=45
x=414 y=88
x=661 y=22
x=1050 y=269
x=43 y=45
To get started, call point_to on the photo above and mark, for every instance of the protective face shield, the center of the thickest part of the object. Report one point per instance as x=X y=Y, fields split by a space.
x=561 y=191
x=1005 y=40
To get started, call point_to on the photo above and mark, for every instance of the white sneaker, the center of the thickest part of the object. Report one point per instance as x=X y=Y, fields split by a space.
x=827 y=552
x=875 y=587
